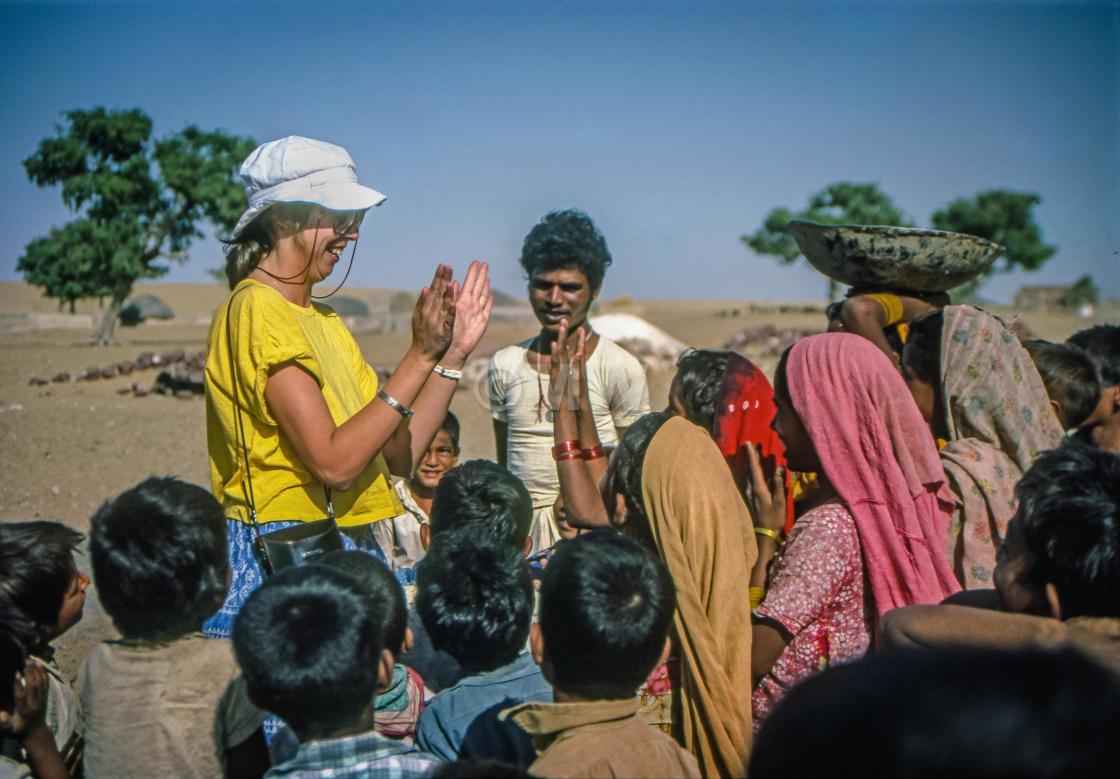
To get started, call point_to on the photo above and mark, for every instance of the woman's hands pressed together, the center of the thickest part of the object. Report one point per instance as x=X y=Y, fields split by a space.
x=471 y=314
x=433 y=318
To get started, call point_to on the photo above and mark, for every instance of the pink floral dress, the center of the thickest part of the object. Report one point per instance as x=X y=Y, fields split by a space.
x=819 y=593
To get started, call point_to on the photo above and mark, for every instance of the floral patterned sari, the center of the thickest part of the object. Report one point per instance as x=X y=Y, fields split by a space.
x=999 y=420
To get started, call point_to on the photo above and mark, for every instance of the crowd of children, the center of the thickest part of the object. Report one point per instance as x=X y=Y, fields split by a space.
x=902 y=556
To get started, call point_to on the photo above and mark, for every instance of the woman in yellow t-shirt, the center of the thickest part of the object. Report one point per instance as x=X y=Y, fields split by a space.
x=313 y=415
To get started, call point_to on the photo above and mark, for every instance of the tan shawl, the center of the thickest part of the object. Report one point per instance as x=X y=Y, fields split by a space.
x=703 y=531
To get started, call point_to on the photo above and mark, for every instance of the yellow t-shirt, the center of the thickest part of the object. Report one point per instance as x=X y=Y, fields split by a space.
x=267 y=330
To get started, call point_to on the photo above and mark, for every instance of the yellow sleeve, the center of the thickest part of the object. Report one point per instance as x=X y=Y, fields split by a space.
x=892 y=306
x=264 y=334
x=368 y=380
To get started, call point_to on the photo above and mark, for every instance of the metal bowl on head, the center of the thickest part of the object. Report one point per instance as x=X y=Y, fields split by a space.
x=894 y=258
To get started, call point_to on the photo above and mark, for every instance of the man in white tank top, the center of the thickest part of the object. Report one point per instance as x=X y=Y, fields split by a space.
x=565 y=258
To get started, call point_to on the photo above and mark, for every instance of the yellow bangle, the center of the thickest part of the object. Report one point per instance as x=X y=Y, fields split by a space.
x=765 y=531
x=757 y=595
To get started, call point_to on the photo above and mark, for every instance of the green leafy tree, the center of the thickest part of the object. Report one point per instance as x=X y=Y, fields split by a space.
x=841 y=203
x=1082 y=292
x=1007 y=218
x=62 y=263
x=141 y=202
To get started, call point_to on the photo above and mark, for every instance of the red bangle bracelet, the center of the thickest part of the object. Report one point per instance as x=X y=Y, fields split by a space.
x=564 y=447
x=575 y=454
x=594 y=453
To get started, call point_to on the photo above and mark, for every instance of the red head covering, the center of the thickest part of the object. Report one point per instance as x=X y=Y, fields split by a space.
x=877 y=452
x=744 y=410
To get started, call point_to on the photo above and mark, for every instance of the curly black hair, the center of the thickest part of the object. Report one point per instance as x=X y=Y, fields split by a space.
x=565 y=239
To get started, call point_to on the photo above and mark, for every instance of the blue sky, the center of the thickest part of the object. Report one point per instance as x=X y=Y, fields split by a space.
x=676 y=126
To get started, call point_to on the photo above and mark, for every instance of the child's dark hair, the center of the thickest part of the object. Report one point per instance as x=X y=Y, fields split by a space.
x=565 y=239
x=921 y=357
x=946 y=712
x=606 y=608
x=482 y=493
x=1103 y=345
x=378 y=582
x=699 y=378
x=1069 y=516
x=158 y=552
x=474 y=596
x=17 y=637
x=1071 y=378
x=450 y=426
x=624 y=477
x=309 y=644
x=37 y=561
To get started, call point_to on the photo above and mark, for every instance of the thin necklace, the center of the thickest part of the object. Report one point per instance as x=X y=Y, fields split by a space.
x=541 y=403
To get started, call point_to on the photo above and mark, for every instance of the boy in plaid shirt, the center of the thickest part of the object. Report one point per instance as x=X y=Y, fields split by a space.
x=311 y=646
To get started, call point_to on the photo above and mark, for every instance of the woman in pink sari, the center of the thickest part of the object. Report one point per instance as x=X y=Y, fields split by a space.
x=874 y=538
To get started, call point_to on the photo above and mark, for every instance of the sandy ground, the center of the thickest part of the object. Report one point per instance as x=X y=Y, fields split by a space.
x=68 y=447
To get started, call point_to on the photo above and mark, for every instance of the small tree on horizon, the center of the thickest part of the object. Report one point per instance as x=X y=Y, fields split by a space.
x=1082 y=292
x=843 y=202
x=140 y=201
x=1003 y=217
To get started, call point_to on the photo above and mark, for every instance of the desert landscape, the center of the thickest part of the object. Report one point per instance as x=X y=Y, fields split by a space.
x=70 y=444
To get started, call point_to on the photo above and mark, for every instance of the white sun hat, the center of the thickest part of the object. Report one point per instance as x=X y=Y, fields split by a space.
x=302 y=170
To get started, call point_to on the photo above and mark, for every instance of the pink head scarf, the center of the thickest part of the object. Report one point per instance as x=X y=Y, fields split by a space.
x=877 y=452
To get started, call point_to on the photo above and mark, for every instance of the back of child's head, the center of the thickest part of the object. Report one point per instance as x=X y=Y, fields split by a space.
x=475 y=598
x=1103 y=345
x=485 y=495
x=309 y=644
x=17 y=636
x=697 y=383
x=1071 y=379
x=450 y=426
x=946 y=712
x=606 y=608
x=158 y=552
x=1069 y=518
x=37 y=569
x=378 y=582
